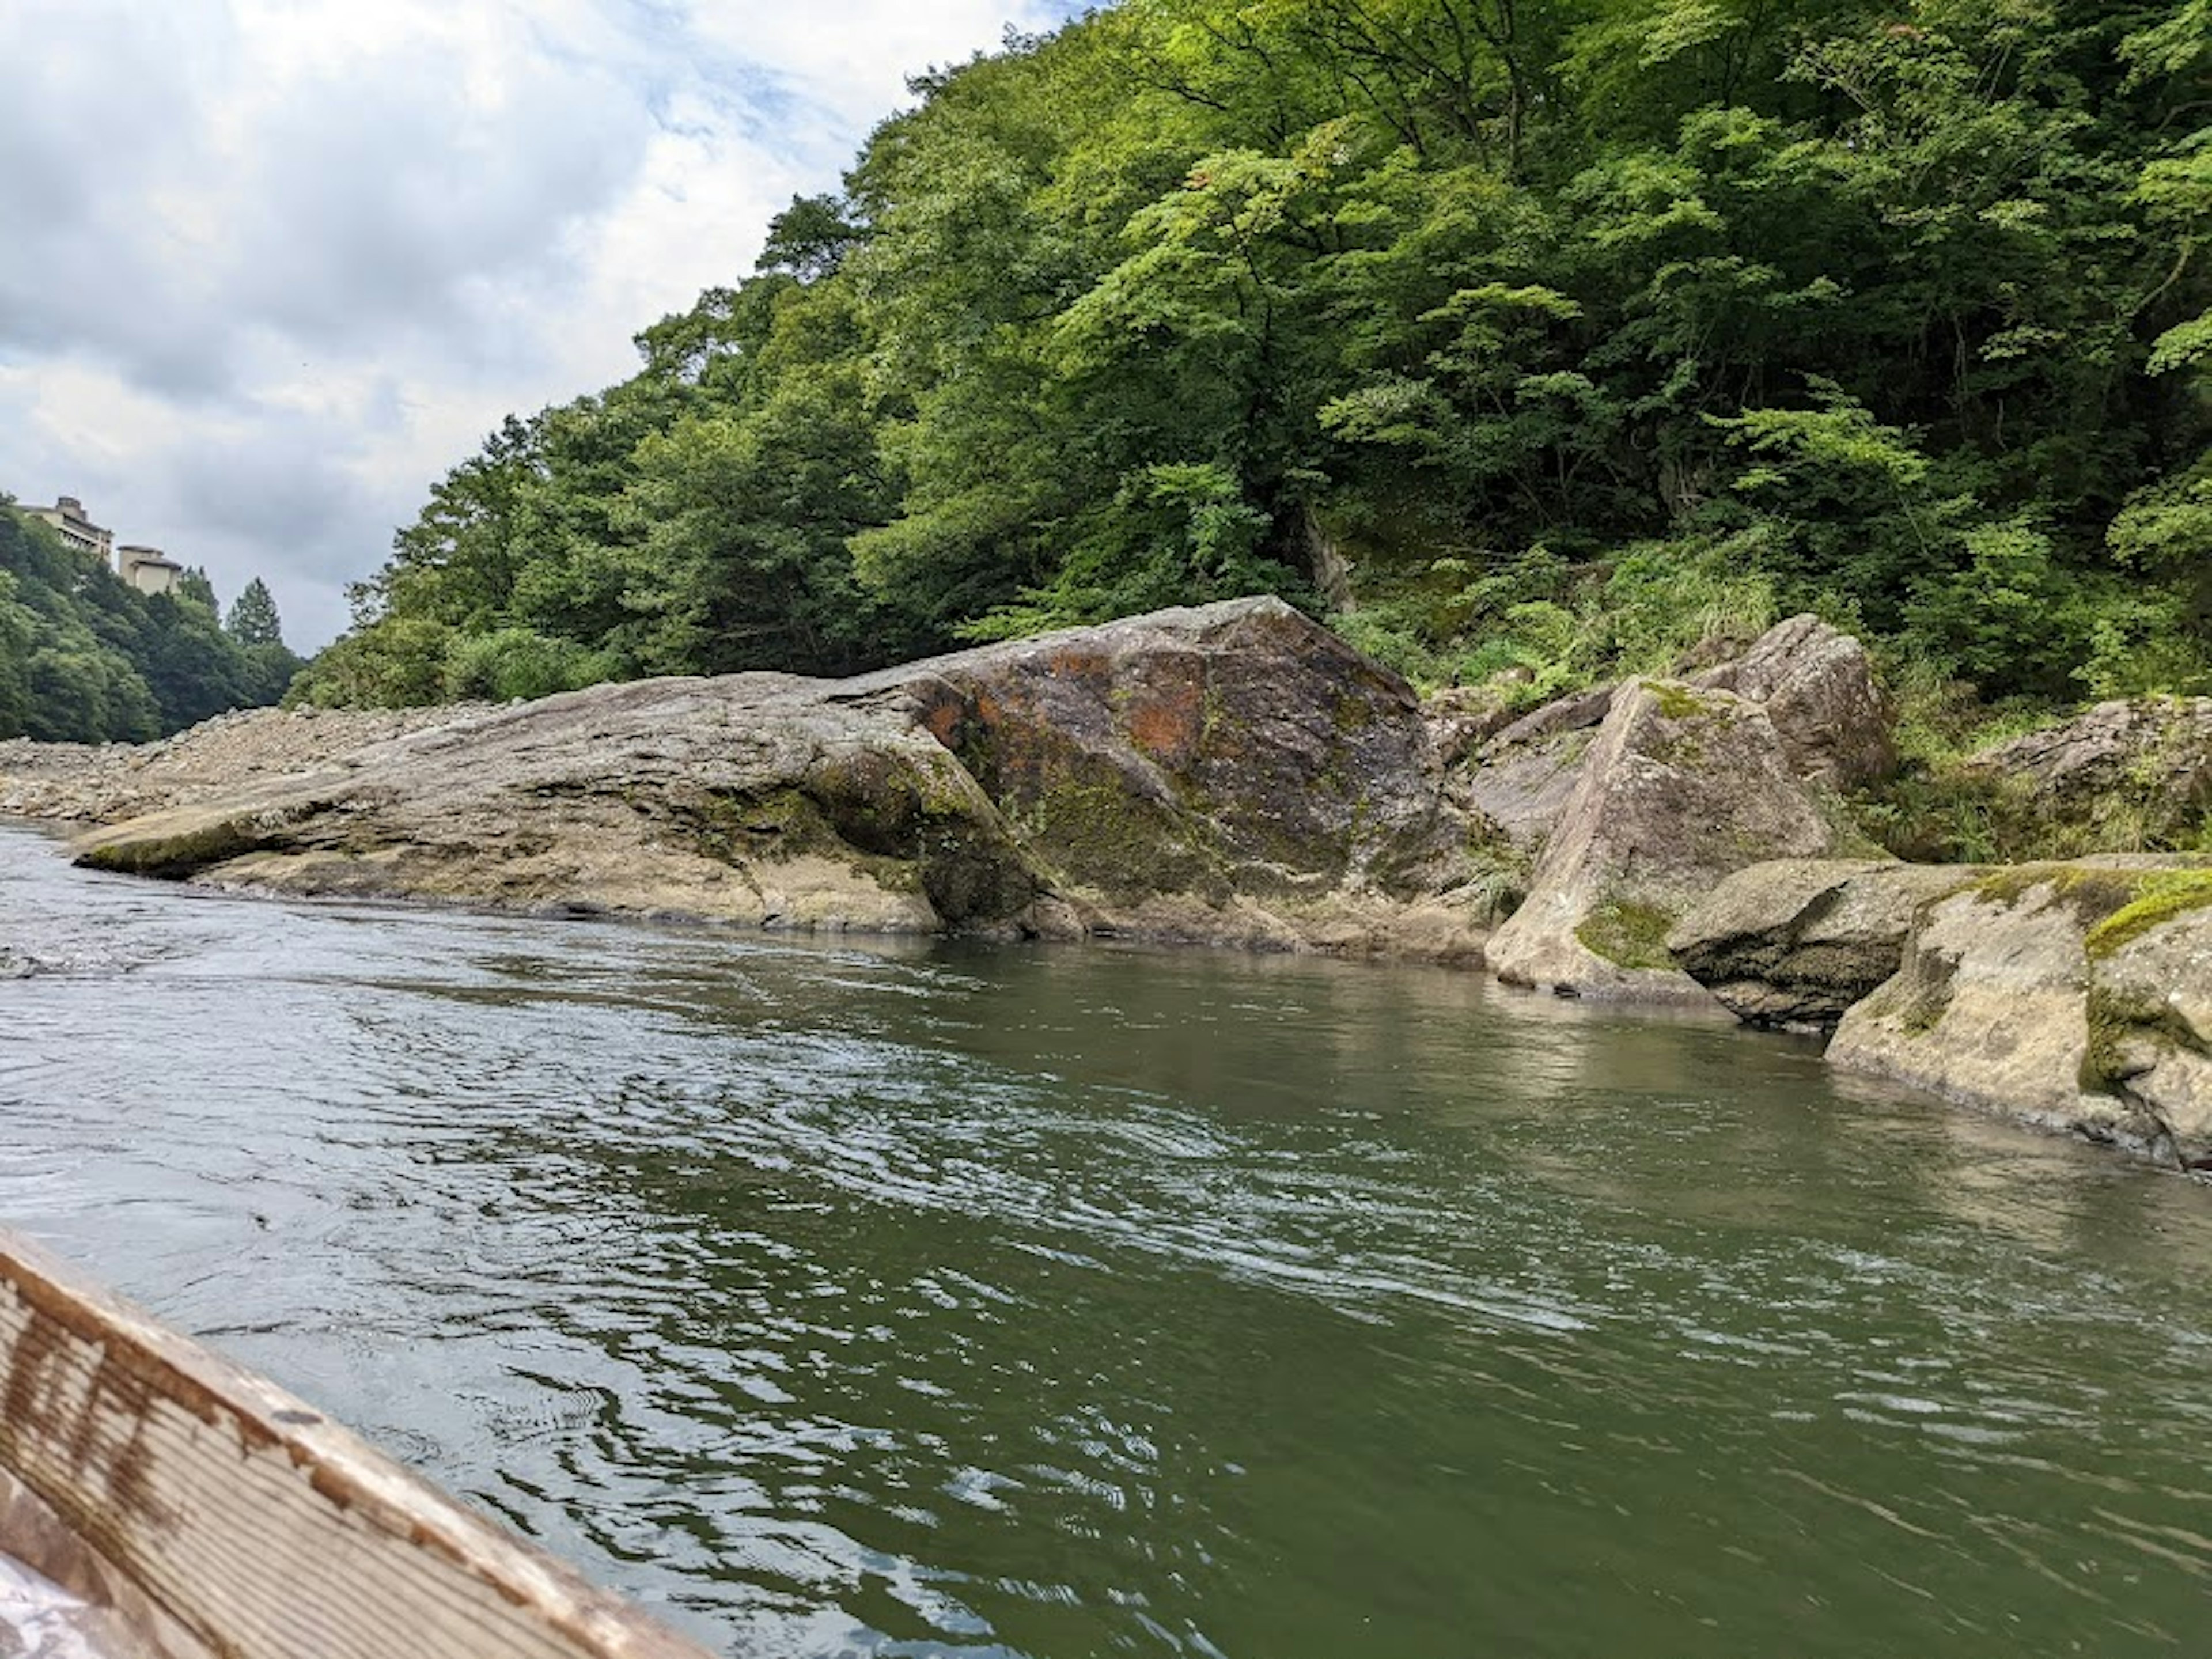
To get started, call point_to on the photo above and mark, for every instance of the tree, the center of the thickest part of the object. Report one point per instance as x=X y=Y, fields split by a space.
x=85 y=657
x=253 y=619
x=809 y=239
x=1510 y=307
x=194 y=584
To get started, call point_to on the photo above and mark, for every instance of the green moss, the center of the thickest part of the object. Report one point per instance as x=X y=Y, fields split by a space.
x=1925 y=997
x=1676 y=702
x=1120 y=845
x=2110 y=1023
x=1353 y=713
x=1629 y=934
x=870 y=798
x=2092 y=893
x=176 y=855
x=2114 y=906
x=2119 y=1022
x=2161 y=897
x=735 y=829
x=1692 y=719
x=777 y=826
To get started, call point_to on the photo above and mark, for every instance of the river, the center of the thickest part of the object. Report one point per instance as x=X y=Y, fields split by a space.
x=1042 y=1303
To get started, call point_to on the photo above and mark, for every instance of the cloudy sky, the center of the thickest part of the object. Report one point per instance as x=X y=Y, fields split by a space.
x=272 y=267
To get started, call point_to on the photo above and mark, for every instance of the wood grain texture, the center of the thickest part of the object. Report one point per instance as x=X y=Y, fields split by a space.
x=220 y=1516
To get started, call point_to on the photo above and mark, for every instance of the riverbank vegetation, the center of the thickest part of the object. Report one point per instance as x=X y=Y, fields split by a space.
x=1531 y=340
x=86 y=658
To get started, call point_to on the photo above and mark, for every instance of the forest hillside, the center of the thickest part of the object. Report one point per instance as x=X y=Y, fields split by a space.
x=86 y=658
x=1527 y=340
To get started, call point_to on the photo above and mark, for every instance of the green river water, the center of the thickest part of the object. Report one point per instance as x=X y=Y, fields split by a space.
x=1049 y=1302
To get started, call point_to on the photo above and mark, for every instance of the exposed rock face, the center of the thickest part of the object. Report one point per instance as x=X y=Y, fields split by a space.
x=1680 y=788
x=1794 y=942
x=1236 y=751
x=1578 y=711
x=741 y=798
x=1525 y=773
x=1460 y=718
x=1816 y=685
x=104 y=782
x=2096 y=750
x=2150 y=1015
x=2071 y=994
x=1232 y=772
x=2121 y=772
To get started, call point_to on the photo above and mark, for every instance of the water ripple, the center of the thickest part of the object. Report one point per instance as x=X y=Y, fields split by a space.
x=1027 y=1304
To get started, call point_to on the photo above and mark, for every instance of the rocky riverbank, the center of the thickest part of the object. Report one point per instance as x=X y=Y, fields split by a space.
x=1236 y=775
x=1231 y=774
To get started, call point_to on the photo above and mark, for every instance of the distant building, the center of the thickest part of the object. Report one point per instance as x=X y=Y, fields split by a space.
x=148 y=568
x=68 y=518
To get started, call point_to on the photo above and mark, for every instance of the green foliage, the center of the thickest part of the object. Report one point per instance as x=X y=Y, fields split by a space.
x=194 y=584
x=1587 y=332
x=397 y=661
x=517 y=663
x=1541 y=627
x=84 y=658
x=252 y=620
x=19 y=632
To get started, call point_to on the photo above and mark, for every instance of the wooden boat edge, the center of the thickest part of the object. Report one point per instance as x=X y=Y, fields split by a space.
x=219 y=1513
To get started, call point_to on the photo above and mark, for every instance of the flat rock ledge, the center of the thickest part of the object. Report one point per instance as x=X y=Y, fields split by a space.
x=2074 y=995
x=1232 y=773
x=1793 y=944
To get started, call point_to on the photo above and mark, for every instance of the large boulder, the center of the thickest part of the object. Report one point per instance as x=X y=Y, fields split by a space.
x=1524 y=773
x=2122 y=774
x=1231 y=773
x=2069 y=994
x=1818 y=686
x=747 y=799
x=1680 y=788
x=1794 y=943
x=1177 y=765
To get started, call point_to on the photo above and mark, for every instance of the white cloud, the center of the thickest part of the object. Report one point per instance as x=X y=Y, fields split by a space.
x=275 y=265
x=854 y=57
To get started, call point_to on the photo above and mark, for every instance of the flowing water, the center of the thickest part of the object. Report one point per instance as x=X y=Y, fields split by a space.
x=944 y=1300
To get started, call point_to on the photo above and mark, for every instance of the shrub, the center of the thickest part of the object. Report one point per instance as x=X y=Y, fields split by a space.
x=519 y=663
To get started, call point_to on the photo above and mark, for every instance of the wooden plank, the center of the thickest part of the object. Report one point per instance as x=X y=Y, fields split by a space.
x=220 y=1516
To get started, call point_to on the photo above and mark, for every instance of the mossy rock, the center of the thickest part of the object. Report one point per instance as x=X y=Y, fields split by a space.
x=1124 y=846
x=2116 y=903
x=146 y=849
x=1628 y=934
x=1924 y=997
x=886 y=818
x=738 y=827
x=1677 y=701
x=2160 y=897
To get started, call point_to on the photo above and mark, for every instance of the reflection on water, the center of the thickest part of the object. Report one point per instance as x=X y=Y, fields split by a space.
x=958 y=1302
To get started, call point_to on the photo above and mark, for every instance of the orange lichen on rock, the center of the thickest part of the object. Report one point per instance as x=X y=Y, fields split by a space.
x=1168 y=722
